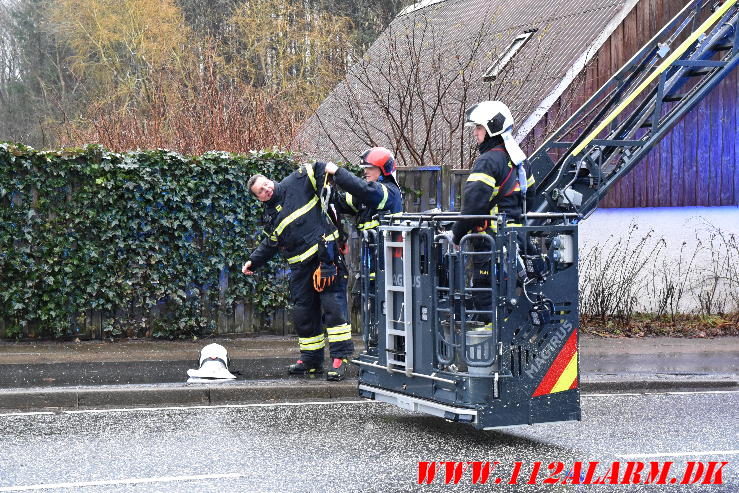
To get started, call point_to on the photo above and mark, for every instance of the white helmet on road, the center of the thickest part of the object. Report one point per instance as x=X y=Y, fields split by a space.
x=213 y=364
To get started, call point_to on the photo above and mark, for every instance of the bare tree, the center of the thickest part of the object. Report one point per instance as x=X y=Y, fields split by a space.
x=410 y=90
x=192 y=111
x=30 y=77
x=409 y=93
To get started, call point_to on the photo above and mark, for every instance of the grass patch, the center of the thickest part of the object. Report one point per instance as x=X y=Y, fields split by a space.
x=651 y=325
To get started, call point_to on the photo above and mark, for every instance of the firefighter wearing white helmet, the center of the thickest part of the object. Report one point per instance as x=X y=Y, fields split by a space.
x=498 y=184
x=499 y=179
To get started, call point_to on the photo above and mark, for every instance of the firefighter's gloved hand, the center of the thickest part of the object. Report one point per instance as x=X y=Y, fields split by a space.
x=331 y=168
x=449 y=240
x=324 y=275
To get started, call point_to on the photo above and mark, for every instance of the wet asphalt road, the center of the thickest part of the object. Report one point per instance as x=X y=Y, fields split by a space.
x=355 y=446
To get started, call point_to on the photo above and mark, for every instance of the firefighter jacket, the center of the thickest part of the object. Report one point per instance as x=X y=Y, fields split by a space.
x=366 y=199
x=295 y=223
x=492 y=188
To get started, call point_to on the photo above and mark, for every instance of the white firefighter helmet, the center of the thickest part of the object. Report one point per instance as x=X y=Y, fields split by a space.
x=497 y=120
x=213 y=364
x=493 y=115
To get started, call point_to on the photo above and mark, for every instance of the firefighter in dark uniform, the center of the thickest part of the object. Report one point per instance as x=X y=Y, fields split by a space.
x=498 y=184
x=368 y=200
x=297 y=224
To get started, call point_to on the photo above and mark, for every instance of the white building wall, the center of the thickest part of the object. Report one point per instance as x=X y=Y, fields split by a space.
x=695 y=249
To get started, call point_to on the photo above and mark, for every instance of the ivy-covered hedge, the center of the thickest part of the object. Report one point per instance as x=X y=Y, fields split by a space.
x=131 y=236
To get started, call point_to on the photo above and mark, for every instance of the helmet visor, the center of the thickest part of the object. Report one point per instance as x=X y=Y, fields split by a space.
x=468 y=120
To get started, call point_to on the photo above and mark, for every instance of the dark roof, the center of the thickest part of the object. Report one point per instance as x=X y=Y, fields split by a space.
x=445 y=48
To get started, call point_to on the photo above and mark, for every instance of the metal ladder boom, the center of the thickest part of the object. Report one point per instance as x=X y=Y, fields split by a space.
x=616 y=128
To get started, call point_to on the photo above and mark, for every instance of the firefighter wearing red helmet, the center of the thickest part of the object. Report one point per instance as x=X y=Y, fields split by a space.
x=369 y=199
x=378 y=194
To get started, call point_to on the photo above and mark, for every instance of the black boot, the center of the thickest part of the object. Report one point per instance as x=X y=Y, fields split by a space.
x=338 y=370
x=300 y=368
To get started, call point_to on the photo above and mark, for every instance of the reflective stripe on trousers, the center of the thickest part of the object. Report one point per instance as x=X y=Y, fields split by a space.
x=339 y=333
x=312 y=343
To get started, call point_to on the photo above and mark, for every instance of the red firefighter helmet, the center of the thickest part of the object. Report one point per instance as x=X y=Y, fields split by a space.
x=380 y=157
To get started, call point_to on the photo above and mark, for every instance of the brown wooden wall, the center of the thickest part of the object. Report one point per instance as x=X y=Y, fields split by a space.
x=697 y=162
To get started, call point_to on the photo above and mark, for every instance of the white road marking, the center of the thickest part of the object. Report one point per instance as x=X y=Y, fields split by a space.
x=679 y=454
x=33 y=413
x=162 y=479
x=181 y=408
x=705 y=392
x=641 y=394
x=611 y=395
x=219 y=406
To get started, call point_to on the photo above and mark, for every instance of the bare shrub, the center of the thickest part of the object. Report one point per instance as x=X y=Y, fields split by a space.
x=671 y=282
x=717 y=290
x=614 y=275
x=619 y=278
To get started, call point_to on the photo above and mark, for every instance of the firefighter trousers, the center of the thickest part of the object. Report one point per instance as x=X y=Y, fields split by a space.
x=318 y=317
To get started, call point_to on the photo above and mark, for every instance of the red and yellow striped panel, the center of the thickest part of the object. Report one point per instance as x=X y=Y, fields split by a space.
x=562 y=375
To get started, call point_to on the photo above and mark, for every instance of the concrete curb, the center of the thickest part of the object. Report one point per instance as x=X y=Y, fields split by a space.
x=176 y=394
x=265 y=392
x=127 y=372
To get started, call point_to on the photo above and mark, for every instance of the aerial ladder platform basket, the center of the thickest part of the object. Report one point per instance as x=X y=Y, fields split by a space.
x=427 y=348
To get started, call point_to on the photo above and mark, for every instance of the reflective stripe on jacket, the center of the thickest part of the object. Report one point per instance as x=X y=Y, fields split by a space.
x=366 y=199
x=492 y=187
